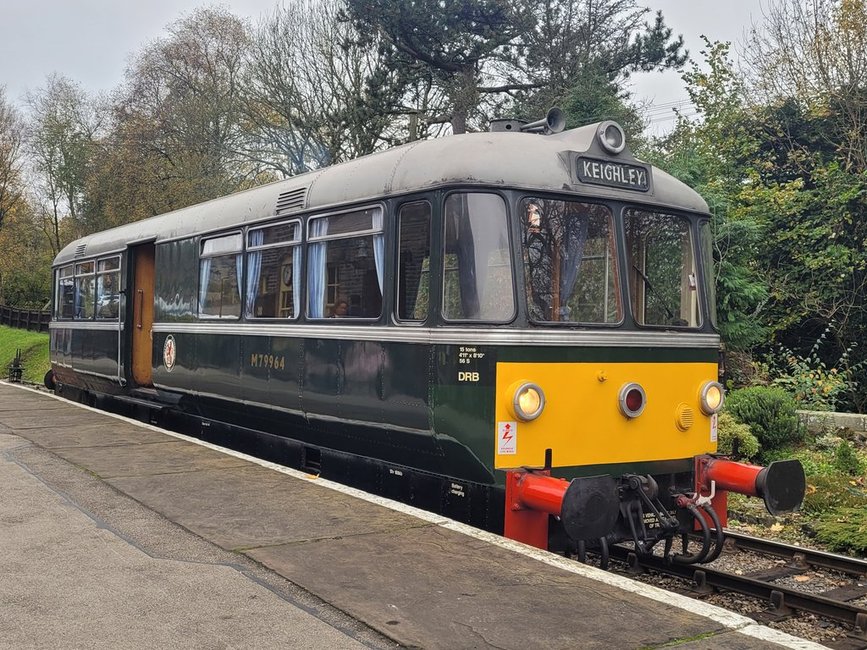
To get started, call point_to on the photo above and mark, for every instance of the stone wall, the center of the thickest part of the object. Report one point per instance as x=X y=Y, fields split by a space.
x=829 y=421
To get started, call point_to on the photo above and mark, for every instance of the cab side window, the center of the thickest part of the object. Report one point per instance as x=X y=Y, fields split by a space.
x=477 y=265
x=413 y=271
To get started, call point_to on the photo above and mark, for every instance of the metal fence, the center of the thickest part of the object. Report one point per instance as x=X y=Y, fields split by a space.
x=27 y=319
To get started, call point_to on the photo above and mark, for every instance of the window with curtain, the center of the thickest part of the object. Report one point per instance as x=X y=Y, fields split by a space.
x=413 y=273
x=570 y=262
x=274 y=271
x=663 y=286
x=108 y=288
x=477 y=271
x=85 y=290
x=64 y=302
x=220 y=271
x=346 y=265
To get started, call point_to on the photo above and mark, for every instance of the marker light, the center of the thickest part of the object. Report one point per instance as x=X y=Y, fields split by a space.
x=712 y=397
x=528 y=402
x=632 y=400
x=611 y=137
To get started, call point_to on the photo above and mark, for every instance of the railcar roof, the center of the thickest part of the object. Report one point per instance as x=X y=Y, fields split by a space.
x=509 y=160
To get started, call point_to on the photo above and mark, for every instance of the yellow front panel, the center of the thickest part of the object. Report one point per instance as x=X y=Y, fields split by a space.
x=582 y=423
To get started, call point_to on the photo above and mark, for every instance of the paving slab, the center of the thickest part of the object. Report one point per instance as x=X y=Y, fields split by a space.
x=71 y=581
x=37 y=419
x=103 y=434
x=168 y=457
x=436 y=588
x=251 y=506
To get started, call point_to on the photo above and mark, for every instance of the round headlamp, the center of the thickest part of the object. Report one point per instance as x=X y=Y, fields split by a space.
x=611 y=137
x=528 y=401
x=711 y=397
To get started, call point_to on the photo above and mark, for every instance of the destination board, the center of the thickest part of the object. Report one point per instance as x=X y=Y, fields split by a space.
x=612 y=174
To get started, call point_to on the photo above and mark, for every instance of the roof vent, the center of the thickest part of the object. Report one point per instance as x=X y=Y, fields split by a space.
x=292 y=200
x=79 y=250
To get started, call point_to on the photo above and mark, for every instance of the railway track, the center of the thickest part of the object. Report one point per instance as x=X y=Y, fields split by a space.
x=834 y=604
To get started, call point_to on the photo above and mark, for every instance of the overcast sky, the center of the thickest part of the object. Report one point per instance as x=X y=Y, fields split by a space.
x=90 y=41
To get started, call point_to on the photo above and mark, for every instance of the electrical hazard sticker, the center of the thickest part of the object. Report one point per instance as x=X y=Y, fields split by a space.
x=507 y=438
x=714 y=427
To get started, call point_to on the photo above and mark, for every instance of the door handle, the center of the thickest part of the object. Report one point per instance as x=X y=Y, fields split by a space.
x=139 y=299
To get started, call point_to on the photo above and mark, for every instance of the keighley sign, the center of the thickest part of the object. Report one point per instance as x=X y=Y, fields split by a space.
x=612 y=174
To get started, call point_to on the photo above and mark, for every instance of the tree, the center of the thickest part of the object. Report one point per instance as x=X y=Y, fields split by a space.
x=522 y=56
x=807 y=72
x=588 y=49
x=179 y=129
x=713 y=155
x=11 y=139
x=25 y=259
x=814 y=52
x=315 y=91
x=64 y=123
x=454 y=41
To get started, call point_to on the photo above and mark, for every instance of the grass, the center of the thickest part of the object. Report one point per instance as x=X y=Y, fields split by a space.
x=34 y=352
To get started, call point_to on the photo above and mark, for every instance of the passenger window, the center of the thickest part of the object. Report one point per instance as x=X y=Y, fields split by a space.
x=84 y=290
x=220 y=277
x=108 y=289
x=413 y=280
x=477 y=273
x=346 y=265
x=65 y=300
x=274 y=271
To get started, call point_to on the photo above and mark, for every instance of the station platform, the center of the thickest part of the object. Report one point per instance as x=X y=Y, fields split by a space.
x=116 y=533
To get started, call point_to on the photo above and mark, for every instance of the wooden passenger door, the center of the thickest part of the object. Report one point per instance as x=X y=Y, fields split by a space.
x=142 y=296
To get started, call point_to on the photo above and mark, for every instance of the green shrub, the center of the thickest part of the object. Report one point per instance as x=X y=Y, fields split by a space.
x=846 y=459
x=770 y=414
x=814 y=385
x=825 y=492
x=814 y=462
x=843 y=530
x=736 y=435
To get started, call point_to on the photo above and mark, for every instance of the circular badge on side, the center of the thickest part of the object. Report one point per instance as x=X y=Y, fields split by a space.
x=169 y=352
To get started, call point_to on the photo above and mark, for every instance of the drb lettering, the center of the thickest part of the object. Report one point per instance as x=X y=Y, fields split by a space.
x=468 y=376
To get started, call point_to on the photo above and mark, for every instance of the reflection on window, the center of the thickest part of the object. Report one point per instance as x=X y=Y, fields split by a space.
x=273 y=271
x=346 y=265
x=477 y=273
x=65 y=299
x=85 y=285
x=570 y=262
x=220 y=277
x=413 y=286
x=108 y=289
x=706 y=236
x=663 y=288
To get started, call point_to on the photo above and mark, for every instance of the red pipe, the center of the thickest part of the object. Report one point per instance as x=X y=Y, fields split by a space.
x=541 y=492
x=781 y=484
x=732 y=476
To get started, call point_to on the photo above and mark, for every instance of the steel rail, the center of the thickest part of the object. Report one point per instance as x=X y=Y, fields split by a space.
x=803 y=556
x=780 y=597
